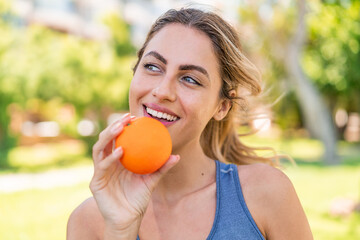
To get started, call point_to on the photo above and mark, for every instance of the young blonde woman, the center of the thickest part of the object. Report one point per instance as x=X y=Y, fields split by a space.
x=192 y=70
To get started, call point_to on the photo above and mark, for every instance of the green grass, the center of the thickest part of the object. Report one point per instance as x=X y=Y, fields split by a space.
x=318 y=185
x=39 y=214
x=43 y=214
x=305 y=150
x=317 y=188
x=46 y=156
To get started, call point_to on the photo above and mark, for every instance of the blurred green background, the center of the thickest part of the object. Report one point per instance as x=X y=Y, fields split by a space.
x=65 y=69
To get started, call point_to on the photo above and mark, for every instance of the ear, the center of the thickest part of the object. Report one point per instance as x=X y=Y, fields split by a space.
x=224 y=107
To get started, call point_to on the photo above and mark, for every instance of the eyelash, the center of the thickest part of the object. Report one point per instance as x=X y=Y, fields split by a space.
x=194 y=81
x=150 y=67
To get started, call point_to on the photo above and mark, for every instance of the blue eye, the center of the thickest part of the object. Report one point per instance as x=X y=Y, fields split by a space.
x=151 y=67
x=190 y=80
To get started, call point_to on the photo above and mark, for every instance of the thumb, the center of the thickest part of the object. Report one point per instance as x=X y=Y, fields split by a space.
x=171 y=162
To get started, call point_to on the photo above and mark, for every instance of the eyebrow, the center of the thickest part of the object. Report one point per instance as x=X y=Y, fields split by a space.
x=157 y=55
x=194 y=67
x=182 y=67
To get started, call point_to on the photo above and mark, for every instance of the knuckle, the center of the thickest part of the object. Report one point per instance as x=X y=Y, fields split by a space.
x=95 y=147
x=102 y=135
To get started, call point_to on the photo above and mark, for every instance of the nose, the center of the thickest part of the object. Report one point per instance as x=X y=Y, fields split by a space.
x=165 y=90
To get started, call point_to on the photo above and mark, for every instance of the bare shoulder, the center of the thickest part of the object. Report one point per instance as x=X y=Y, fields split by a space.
x=257 y=170
x=85 y=222
x=273 y=202
x=266 y=179
x=265 y=188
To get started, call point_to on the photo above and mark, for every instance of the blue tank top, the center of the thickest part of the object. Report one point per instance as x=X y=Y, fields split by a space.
x=233 y=220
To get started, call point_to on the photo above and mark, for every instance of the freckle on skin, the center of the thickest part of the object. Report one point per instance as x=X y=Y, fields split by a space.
x=202 y=174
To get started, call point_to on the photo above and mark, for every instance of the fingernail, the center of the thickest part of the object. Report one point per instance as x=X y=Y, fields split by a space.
x=116 y=127
x=126 y=115
x=176 y=158
x=118 y=151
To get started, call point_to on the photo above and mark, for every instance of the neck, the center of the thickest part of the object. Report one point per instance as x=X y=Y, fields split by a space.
x=194 y=172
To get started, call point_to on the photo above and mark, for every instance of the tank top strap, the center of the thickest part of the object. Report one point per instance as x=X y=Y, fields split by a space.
x=232 y=218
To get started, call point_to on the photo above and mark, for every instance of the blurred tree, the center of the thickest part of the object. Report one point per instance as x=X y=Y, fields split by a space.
x=7 y=141
x=332 y=54
x=317 y=117
x=38 y=63
x=276 y=31
x=120 y=31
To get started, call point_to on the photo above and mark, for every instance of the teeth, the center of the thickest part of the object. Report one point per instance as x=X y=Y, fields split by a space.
x=160 y=114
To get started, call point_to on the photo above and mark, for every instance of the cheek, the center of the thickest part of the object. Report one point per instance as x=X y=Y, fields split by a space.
x=140 y=84
x=136 y=91
x=200 y=109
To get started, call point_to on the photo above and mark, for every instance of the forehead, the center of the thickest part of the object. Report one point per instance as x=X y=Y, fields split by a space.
x=181 y=44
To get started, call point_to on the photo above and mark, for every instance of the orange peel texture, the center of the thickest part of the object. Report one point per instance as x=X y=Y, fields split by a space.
x=147 y=145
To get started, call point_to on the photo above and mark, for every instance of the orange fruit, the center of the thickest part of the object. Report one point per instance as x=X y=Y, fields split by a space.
x=146 y=143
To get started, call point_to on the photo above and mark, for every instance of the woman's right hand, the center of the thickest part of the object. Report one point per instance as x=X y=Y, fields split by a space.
x=122 y=196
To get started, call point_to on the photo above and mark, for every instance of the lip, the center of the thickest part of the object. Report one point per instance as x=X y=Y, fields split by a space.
x=160 y=109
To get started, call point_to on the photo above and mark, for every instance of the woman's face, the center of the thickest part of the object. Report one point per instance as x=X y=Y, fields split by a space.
x=177 y=81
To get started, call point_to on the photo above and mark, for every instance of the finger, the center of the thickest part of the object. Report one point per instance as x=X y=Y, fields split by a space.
x=109 y=134
x=105 y=170
x=109 y=161
x=117 y=120
x=111 y=146
x=101 y=148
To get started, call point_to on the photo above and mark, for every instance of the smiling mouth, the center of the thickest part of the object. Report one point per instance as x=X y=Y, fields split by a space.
x=161 y=116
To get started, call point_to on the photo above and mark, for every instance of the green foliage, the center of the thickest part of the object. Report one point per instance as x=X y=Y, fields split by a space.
x=38 y=64
x=266 y=36
x=332 y=55
x=7 y=141
x=82 y=72
x=120 y=35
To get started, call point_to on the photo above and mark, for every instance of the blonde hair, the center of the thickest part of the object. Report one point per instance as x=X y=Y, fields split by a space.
x=220 y=139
